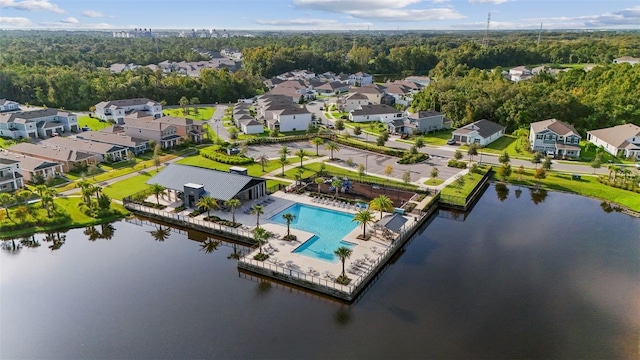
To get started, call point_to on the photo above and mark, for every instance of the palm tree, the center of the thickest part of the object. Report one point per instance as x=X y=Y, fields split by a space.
x=40 y=189
x=318 y=180
x=263 y=160
x=283 y=161
x=260 y=235
x=157 y=189
x=257 y=210
x=6 y=200
x=284 y=151
x=233 y=204
x=209 y=246
x=52 y=194
x=46 y=200
x=86 y=194
x=300 y=153
x=331 y=146
x=343 y=253
x=161 y=234
x=23 y=195
x=381 y=203
x=288 y=217
x=364 y=217
x=317 y=141
x=337 y=184
x=207 y=202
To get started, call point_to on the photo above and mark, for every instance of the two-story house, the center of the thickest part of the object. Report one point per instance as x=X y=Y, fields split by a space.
x=187 y=128
x=554 y=138
x=10 y=175
x=8 y=105
x=375 y=112
x=135 y=145
x=360 y=79
x=290 y=118
x=426 y=121
x=33 y=168
x=519 y=73
x=352 y=101
x=117 y=110
x=332 y=88
x=146 y=128
x=34 y=124
x=373 y=92
x=245 y=121
x=621 y=140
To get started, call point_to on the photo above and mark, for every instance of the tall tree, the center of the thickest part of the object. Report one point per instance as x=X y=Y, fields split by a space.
x=300 y=153
x=381 y=203
x=343 y=253
x=364 y=218
x=157 y=189
x=257 y=210
x=317 y=141
x=263 y=160
x=331 y=146
x=207 y=202
x=233 y=204
x=288 y=217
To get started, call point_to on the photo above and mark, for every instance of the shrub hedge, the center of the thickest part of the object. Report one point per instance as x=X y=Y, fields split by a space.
x=215 y=153
x=457 y=164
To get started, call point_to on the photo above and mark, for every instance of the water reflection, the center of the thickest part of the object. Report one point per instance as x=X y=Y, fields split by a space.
x=11 y=246
x=538 y=195
x=502 y=191
x=518 y=192
x=161 y=233
x=209 y=246
x=56 y=240
x=343 y=315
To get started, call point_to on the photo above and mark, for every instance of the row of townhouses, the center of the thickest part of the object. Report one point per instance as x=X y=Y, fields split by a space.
x=37 y=123
x=520 y=73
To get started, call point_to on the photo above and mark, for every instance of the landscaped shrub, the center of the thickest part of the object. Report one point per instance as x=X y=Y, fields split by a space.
x=413 y=158
x=457 y=164
x=196 y=212
x=215 y=153
x=220 y=221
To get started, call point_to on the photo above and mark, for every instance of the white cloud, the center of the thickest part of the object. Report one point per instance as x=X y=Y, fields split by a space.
x=14 y=22
x=70 y=20
x=383 y=10
x=440 y=1
x=314 y=23
x=92 y=14
x=31 y=5
x=488 y=1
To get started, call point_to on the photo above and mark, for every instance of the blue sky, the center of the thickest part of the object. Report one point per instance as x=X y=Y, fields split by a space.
x=320 y=14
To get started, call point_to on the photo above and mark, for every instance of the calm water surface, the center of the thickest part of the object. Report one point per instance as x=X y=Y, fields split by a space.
x=515 y=279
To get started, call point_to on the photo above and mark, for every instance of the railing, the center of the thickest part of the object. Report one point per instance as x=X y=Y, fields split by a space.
x=464 y=202
x=219 y=228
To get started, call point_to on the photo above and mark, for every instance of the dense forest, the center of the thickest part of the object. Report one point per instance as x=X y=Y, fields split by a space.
x=61 y=69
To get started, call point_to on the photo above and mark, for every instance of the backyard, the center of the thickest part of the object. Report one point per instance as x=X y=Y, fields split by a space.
x=204 y=113
x=94 y=124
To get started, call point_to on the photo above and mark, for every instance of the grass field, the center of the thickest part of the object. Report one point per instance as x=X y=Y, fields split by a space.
x=459 y=195
x=5 y=143
x=587 y=186
x=93 y=123
x=433 y=182
x=312 y=168
x=433 y=139
x=204 y=113
x=129 y=186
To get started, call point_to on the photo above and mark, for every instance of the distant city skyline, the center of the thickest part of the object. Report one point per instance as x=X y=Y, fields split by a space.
x=268 y=15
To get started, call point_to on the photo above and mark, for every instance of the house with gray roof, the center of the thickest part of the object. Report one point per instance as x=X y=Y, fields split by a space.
x=333 y=87
x=33 y=168
x=10 y=175
x=135 y=145
x=375 y=112
x=8 y=105
x=482 y=132
x=36 y=124
x=556 y=138
x=427 y=121
x=191 y=183
x=67 y=158
x=352 y=101
x=102 y=151
x=116 y=110
x=621 y=140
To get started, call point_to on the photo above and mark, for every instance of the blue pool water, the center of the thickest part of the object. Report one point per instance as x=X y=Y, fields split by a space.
x=329 y=227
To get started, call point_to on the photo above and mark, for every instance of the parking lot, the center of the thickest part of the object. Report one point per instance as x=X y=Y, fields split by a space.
x=374 y=163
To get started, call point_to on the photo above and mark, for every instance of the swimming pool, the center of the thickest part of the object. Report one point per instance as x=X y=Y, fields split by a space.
x=329 y=227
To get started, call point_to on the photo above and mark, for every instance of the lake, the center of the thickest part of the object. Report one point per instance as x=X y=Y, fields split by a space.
x=523 y=275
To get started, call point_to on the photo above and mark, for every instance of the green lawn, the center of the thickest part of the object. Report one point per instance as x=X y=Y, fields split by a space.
x=459 y=195
x=93 y=123
x=433 y=182
x=587 y=186
x=253 y=169
x=204 y=113
x=129 y=186
x=438 y=138
x=5 y=143
x=312 y=168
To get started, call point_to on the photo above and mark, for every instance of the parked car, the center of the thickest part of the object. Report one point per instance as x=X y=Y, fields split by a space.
x=451 y=142
x=330 y=126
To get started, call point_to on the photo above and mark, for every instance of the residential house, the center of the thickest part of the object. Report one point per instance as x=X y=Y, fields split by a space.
x=352 y=101
x=332 y=88
x=402 y=91
x=421 y=80
x=187 y=128
x=67 y=158
x=426 y=121
x=626 y=59
x=10 y=175
x=135 y=145
x=482 y=132
x=290 y=118
x=373 y=92
x=360 y=79
x=621 y=140
x=147 y=128
x=554 y=138
x=191 y=183
x=33 y=168
x=374 y=112
x=519 y=73
x=37 y=123
x=8 y=105
x=103 y=152
x=244 y=121
x=117 y=110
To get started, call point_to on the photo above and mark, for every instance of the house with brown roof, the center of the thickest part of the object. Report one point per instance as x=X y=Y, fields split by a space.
x=352 y=101
x=33 y=168
x=135 y=145
x=375 y=112
x=333 y=87
x=67 y=158
x=162 y=133
x=187 y=128
x=621 y=140
x=103 y=152
x=482 y=132
x=556 y=138
x=373 y=92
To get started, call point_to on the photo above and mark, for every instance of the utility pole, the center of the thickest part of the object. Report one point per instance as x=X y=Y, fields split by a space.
x=539 y=34
x=485 y=41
